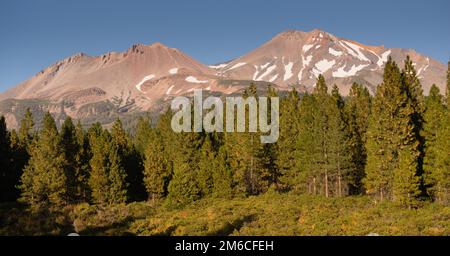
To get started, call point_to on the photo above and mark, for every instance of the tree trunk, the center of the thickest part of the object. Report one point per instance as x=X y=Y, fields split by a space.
x=339 y=177
x=326 y=183
x=339 y=185
x=314 y=186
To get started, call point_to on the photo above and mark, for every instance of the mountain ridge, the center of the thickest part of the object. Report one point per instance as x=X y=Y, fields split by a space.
x=145 y=77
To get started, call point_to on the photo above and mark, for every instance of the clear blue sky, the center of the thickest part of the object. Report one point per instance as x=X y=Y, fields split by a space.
x=35 y=34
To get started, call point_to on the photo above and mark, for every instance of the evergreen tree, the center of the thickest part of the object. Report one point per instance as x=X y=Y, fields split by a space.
x=206 y=167
x=394 y=142
x=70 y=148
x=339 y=145
x=99 y=141
x=289 y=130
x=408 y=176
x=6 y=172
x=270 y=174
x=82 y=157
x=434 y=116
x=440 y=175
x=222 y=176
x=357 y=111
x=323 y=158
x=117 y=176
x=158 y=169
x=130 y=161
x=184 y=187
x=304 y=177
x=26 y=126
x=20 y=143
x=44 y=182
x=243 y=150
x=107 y=179
x=320 y=161
x=143 y=134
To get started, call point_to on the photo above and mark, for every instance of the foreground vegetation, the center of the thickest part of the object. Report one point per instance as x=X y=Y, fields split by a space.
x=268 y=214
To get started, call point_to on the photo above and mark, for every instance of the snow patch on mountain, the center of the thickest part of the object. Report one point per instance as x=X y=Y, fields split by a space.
x=170 y=89
x=384 y=58
x=352 y=72
x=255 y=75
x=354 y=50
x=173 y=71
x=218 y=66
x=145 y=79
x=259 y=69
x=265 y=65
x=306 y=47
x=305 y=63
x=307 y=60
x=334 y=52
x=273 y=78
x=237 y=65
x=268 y=71
x=423 y=68
x=288 y=71
x=323 y=66
x=193 y=79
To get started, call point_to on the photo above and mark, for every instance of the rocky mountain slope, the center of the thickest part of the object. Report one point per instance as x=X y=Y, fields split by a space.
x=296 y=57
x=146 y=77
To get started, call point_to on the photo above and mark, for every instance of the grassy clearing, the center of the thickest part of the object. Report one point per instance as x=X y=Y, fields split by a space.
x=269 y=214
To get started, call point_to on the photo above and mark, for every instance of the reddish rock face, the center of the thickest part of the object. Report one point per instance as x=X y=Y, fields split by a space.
x=296 y=57
x=145 y=76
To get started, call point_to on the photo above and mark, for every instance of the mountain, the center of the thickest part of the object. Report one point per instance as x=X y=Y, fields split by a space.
x=146 y=77
x=101 y=88
x=123 y=76
x=296 y=57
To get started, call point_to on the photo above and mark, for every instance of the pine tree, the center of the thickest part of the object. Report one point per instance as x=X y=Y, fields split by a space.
x=270 y=174
x=70 y=148
x=339 y=145
x=44 y=182
x=222 y=176
x=143 y=134
x=206 y=167
x=158 y=169
x=305 y=176
x=17 y=154
x=380 y=133
x=408 y=176
x=440 y=175
x=129 y=159
x=394 y=143
x=99 y=141
x=117 y=176
x=434 y=116
x=20 y=143
x=287 y=146
x=243 y=150
x=184 y=187
x=82 y=158
x=26 y=126
x=107 y=179
x=6 y=171
x=318 y=131
x=357 y=111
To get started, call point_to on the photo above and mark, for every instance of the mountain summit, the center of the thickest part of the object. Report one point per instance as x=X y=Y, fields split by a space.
x=145 y=76
x=296 y=57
